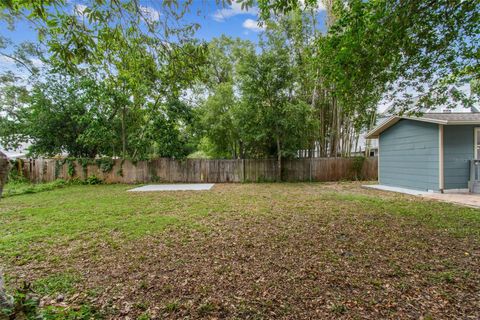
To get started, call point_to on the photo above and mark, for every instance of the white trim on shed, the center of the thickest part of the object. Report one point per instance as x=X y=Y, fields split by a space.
x=438 y=118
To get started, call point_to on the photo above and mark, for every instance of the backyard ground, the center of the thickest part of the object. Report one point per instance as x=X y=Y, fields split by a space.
x=247 y=251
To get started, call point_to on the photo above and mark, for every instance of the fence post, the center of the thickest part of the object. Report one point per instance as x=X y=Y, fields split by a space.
x=3 y=171
x=243 y=170
x=310 y=173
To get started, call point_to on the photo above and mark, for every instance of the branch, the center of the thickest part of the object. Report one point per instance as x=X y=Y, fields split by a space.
x=18 y=61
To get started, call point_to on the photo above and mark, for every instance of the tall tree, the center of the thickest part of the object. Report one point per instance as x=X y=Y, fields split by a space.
x=217 y=119
x=417 y=53
x=128 y=49
x=274 y=117
x=53 y=117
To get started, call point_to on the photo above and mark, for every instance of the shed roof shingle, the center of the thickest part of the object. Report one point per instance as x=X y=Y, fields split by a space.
x=452 y=116
x=440 y=118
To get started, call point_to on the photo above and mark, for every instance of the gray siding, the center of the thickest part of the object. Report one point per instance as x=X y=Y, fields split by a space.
x=458 y=149
x=409 y=155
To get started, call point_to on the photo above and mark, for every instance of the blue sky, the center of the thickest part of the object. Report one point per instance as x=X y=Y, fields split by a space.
x=214 y=19
x=229 y=20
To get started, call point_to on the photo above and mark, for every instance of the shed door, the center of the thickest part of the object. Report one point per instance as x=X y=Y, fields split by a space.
x=477 y=143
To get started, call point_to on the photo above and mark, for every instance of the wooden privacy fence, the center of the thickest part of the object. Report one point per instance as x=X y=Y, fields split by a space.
x=198 y=170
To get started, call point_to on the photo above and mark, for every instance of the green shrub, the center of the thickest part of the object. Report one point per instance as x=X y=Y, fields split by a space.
x=25 y=306
x=91 y=180
x=357 y=167
x=70 y=166
x=14 y=174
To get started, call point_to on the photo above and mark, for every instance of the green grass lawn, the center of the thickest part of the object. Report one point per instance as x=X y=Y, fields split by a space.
x=15 y=188
x=242 y=251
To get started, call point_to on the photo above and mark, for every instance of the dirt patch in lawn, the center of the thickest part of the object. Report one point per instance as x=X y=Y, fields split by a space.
x=298 y=251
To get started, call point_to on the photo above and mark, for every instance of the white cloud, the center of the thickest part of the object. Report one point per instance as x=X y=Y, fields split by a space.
x=235 y=9
x=319 y=6
x=37 y=62
x=252 y=25
x=5 y=61
x=9 y=63
x=79 y=9
x=150 y=13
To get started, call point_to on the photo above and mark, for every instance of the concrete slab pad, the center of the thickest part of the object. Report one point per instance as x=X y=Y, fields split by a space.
x=174 y=187
x=396 y=189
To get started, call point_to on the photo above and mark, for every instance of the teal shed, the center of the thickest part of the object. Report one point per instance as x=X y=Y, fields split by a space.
x=433 y=152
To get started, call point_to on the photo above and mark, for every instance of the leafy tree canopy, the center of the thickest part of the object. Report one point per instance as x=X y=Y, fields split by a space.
x=421 y=52
x=110 y=78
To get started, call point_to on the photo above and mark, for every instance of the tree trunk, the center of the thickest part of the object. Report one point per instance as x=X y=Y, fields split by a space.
x=334 y=131
x=279 y=161
x=124 y=135
x=241 y=151
x=234 y=150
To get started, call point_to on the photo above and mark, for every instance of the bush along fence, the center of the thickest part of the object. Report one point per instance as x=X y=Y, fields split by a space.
x=197 y=170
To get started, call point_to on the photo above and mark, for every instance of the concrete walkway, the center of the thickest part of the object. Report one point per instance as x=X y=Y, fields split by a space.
x=460 y=198
x=174 y=187
x=464 y=199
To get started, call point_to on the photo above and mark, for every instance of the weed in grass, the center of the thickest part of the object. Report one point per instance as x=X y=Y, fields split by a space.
x=225 y=269
x=404 y=286
x=84 y=312
x=378 y=284
x=141 y=305
x=248 y=312
x=446 y=295
x=56 y=284
x=331 y=256
x=444 y=276
x=423 y=266
x=205 y=309
x=338 y=308
x=172 y=306
x=205 y=290
x=93 y=293
x=396 y=270
x=168 y=288
x=143 y=285
x=144 y=316
x=282 y=237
